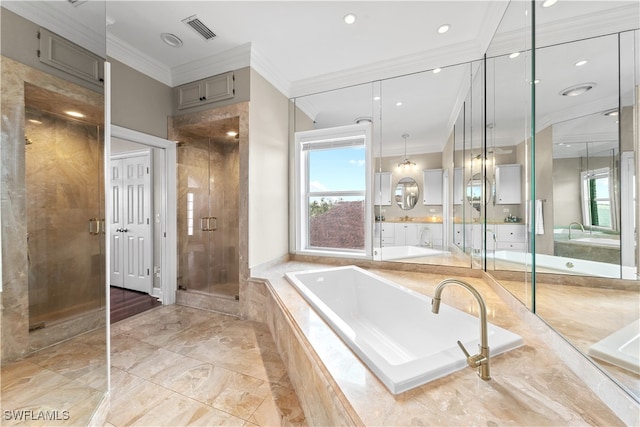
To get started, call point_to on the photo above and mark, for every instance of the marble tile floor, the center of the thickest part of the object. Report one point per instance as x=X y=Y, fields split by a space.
x=170 y=366
x=180 y=366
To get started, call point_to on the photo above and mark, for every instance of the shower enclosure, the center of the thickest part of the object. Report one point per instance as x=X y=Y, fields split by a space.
x=65 y=193
x=208 y=180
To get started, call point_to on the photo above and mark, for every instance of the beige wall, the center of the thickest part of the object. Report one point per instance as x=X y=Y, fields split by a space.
x=139 y=102
x=268 y=172
x=566 y=191
x=544 y=188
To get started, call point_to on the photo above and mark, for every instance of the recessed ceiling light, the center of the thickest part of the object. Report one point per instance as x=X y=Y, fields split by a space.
x=578 y=89
x=399 y=104
x=611 y=113
x=514 y=55
x=549 y=3
x=171 y=39
x=232 y=133
x=581 y=63
x=436 y=70
x=443 y=28
x=350 y=18
x=376 y=98
x=35 y=122
x=74 y=114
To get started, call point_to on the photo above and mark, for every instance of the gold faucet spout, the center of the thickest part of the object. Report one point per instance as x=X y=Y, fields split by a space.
x=480 y=360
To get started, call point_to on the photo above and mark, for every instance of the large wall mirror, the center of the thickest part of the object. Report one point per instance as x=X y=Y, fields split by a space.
x=571 y=197
x=578 y=206
x=54 y=320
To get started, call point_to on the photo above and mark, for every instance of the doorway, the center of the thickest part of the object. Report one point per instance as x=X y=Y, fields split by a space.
x=130 y=225
x=156 y=262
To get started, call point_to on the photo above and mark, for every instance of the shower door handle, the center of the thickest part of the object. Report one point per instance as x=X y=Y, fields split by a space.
x=205 y=223
x=94 y=226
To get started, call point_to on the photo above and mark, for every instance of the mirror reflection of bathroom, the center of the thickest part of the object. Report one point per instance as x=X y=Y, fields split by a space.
x=54 y=340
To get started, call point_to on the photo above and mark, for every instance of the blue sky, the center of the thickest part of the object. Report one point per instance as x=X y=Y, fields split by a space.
x=337 y=169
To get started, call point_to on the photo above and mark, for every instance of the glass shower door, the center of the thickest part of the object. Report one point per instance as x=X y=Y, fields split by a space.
x=65 y=226
x=208 y=179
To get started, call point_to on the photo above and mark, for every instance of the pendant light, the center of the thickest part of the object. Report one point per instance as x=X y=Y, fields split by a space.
x=406 y=162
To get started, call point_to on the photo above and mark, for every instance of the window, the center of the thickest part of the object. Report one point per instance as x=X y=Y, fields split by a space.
x=332 y=167
x=597 y=206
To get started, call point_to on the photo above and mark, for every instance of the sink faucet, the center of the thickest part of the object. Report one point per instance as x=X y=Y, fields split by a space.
x=578 y=224
x=481 y=360
x=427 y=243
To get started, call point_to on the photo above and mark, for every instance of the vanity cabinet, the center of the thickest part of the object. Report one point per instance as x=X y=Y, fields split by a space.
x=432 y=187
x=201 y=92
x=406 y=234
x=382 y=189
x=385 y=233
x=508 y=184
x=511 y=237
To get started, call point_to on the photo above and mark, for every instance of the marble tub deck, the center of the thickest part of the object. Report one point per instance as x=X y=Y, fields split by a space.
x=529 y=386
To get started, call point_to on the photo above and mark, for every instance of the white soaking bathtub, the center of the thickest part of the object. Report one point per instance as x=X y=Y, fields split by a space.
x=392 y=329
x=389 y=253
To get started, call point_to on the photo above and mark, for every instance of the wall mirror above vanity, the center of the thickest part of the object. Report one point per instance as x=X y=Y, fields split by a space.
x=407 y=193
x=552 y=217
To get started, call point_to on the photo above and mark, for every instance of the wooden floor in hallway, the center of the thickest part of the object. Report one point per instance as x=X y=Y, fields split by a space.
x=126 y=303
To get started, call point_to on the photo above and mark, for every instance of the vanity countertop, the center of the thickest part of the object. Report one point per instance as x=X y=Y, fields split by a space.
x=416 y=220
x=529 y=386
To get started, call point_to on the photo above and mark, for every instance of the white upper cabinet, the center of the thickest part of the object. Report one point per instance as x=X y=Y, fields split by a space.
x=508 y=184
x=432 y=185
x=205 y=91
x=382 y=189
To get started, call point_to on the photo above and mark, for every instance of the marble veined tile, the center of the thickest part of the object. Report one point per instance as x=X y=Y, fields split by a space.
x=218 y=387
x=132 y=397
x=178 y=410
x=279 y=408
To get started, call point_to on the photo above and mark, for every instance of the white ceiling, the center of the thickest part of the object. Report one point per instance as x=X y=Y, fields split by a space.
x=304 y=47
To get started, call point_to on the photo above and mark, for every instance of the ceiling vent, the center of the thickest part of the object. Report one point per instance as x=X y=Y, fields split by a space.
x=199 y=27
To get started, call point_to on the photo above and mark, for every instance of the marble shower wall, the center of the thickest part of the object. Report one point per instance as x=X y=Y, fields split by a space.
x=64 y=189
x=15 y=337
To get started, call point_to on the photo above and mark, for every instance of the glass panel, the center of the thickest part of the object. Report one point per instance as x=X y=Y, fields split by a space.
x=584 y=108
x=53 y=217
x=508 y=151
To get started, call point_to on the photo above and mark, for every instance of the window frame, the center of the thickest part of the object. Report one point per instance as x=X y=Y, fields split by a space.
x=585 y=178
x=302 y=191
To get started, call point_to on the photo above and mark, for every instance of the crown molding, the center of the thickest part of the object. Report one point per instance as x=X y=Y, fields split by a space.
x=125 y=53
x=49 y=17
x=609 y=21
x=390 y=68
x=229 y=60
x=270 y=72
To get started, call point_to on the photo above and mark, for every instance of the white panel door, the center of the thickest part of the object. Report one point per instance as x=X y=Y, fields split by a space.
x=131 y=232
